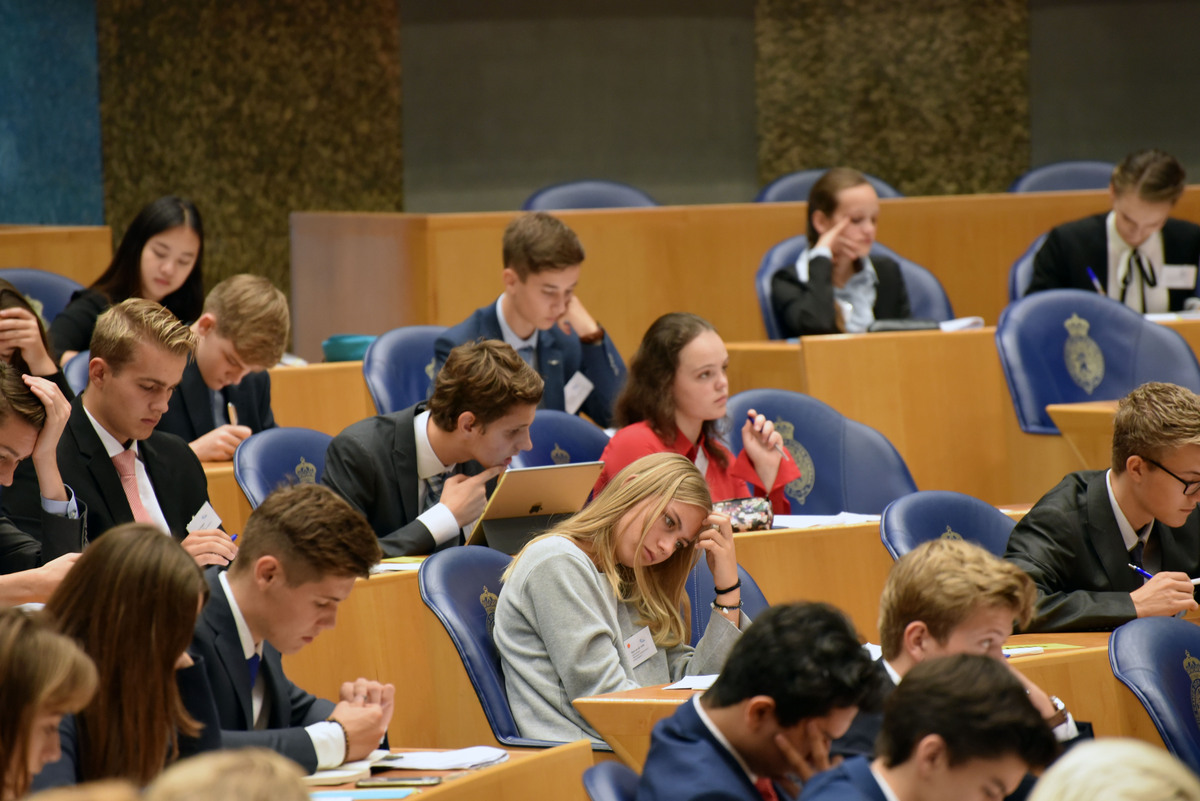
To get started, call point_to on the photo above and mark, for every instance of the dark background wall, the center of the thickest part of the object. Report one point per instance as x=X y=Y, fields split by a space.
x=253 y=110
x=1110 y=76
x=49 y=114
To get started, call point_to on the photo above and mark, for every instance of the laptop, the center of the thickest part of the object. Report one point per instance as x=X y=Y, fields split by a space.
x=529 y=501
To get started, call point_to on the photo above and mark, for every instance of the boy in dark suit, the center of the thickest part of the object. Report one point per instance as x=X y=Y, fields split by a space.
x=242 y=332
x=423 y=474
x=299 y=557
x=111 y=456
x=1078 y=542
x=958 y=727
x=792 y=683
x=543 y=319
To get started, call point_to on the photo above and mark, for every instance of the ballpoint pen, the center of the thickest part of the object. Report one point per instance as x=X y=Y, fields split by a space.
x=1137 y=569
x=1095 y=281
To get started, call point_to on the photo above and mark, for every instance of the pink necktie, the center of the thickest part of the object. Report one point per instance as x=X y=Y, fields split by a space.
x=123 y=461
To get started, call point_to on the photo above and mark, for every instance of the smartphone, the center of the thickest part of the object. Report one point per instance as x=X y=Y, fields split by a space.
x=399 y=781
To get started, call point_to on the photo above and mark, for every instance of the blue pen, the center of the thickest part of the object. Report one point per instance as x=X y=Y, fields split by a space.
x=1139 y=570
x=233 y=538
x=1095 y=281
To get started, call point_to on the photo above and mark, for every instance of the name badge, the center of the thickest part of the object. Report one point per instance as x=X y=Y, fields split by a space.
x=640 y=647
x=1179 y=276
x=205 y=519
x=576 y=392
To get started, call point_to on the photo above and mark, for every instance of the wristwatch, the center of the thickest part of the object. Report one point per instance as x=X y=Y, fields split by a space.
x=1060 y=713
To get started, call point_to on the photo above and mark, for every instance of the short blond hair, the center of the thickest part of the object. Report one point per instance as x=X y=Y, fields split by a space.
x=253 y=315
x=1152 y=420
x=942 y=583
x=121 y=328
x=247 y=774
x=1117 y=769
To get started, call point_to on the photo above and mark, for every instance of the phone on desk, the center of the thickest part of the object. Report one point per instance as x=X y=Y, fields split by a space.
x=399 y=781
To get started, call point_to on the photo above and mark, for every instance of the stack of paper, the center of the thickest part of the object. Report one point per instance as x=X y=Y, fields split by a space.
x=461 y=759
x=346 y=773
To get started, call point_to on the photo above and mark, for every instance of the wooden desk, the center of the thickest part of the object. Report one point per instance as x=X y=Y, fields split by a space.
x=1080 y=676
x=411 y=269
x=536 y=773
x=323 y=397
x=226 y=496
x=1088 y=427
x=78 y=252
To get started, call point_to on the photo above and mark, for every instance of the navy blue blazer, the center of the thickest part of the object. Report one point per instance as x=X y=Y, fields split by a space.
x=686 y=763
x=850 y=781
x=190 y=413
x=559 y=357
x=290 y=708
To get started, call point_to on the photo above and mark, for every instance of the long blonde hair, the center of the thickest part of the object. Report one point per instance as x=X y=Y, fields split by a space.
x=656 y=591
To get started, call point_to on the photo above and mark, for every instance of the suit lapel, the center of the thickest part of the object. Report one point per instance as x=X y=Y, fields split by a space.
x=99 y=466
x=195 y=398
x=176 y=516
x=223 y=630
x=1104 y=536
x=404 y=456
x=276 y=688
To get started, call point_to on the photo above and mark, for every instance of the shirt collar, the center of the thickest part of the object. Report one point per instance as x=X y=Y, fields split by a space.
x=507 y=334
x=1130 y=536
x=112 y=445
x=891 y=671
x=884 y=787
x=428 y=463
x=249 y=647
x=808 y=253
x=720 y=738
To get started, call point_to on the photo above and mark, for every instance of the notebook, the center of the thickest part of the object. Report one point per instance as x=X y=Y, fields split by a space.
x=528 y=501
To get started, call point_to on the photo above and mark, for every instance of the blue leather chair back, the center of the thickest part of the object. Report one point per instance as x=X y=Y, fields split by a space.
x=461 y=586
x=561 y=438
x=926 y=296
x=1065 y=175
x=1069 y=346
x=399 y=365
x=52 y=290
x=76 y=371
x=1021 y=272
x=610 y=781
x=591 y=194
x=795 y=186
x=265 y=461
x=845 y=466
x=920 y=517
x=700 y=593
x=1158 y=659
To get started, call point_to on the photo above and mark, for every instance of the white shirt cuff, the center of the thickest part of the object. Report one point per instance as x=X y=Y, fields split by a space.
x=68 y=508
x=329 y=742
x=820 y=251
x=1066 y=731
x=441 y=523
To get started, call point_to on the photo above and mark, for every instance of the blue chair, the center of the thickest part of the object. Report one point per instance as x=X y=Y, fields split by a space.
x=461 y=586
x=1021 y=272
x=700 y=593
x=926 y=296
x=1069 y=346
x=76 y=371
x=1158 y=659
x=1063 y=176
x=52 y=290
x=610 y=781
x=265 y=461
x=920 y=517
x=845 y=466
x=399 y=366
x=591 y=194
x=795 y=186
x=561 y=438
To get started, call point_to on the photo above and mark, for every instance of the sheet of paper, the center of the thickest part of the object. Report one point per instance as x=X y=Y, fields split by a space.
x=810 y=521
x=693 y=683
x=961 y=324
x=347 y=772
x=395 y=567
x=459 y=759
x=1023 y=650
x=363 y=795
x=576 y=392
x=205 y=519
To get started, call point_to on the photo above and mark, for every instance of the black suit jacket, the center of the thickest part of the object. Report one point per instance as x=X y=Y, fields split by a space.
x=804 y=309
x=1071 y=547
x=1069 y=249
x=190 y=413
x=373 y=465
x=559 y=357
x=290 y=708
x=175 y=473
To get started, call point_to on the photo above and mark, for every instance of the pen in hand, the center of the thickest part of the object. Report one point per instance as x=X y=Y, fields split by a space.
x=1095 y=281
x=778 y=447
x=1139 y=571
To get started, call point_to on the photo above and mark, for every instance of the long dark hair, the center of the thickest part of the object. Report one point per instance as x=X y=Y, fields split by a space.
x=131 y=601
x=648 y=392
x=123 y=278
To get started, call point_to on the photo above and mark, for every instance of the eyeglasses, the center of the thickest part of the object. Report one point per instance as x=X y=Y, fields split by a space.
x=1189 y=487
